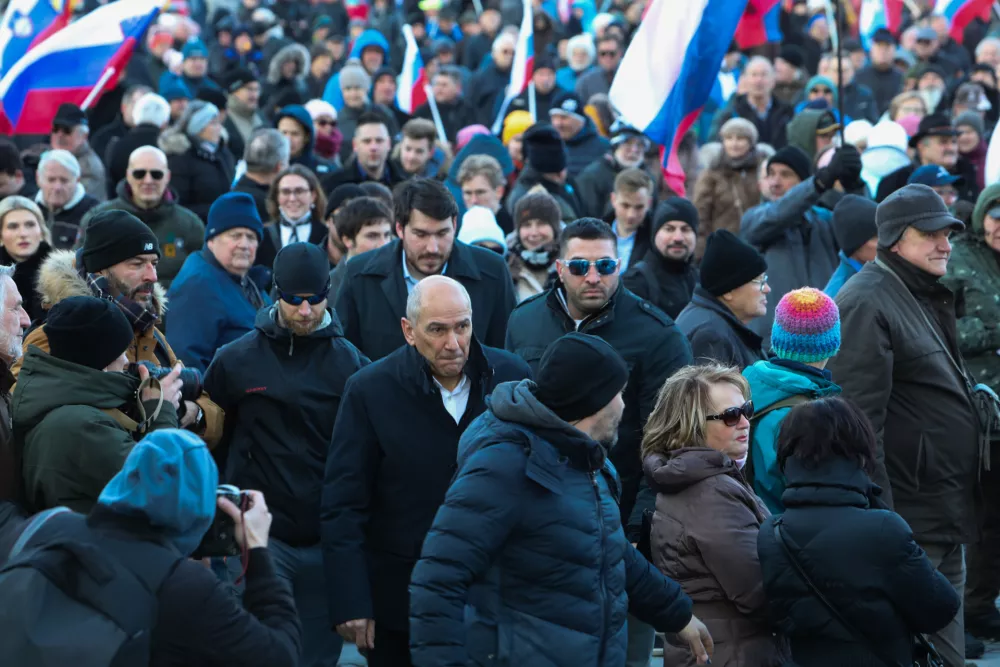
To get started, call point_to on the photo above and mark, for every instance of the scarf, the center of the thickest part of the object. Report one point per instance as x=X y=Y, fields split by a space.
x=538 y=259
x=327 y=147
x=141 y=318
x=294 y=225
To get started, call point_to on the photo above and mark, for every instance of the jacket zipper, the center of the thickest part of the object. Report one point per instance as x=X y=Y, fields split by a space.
x=604 y=602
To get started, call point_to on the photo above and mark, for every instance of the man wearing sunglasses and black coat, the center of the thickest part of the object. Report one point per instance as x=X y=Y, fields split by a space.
x=145 y=193
x=281 y=384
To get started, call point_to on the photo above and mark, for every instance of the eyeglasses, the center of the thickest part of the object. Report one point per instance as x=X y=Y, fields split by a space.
x=325 y=122
x=295 y=300
x=61 y=129
x=581 y=267
x=607 y=54
x=731 y=416
x=293 y=192
x=155 y=174
x=760 y=282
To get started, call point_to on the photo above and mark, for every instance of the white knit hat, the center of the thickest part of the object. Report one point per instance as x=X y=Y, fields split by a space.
x=478 y=225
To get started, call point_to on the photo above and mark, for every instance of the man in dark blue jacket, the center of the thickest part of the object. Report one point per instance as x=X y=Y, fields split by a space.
x=281 y=385
x=529 y=537
x=395 y=444
x=373 y=296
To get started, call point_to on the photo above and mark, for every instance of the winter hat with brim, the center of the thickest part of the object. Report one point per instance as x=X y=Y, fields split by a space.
x=806 y=327
x=729 y=263
x=854 y=223
x=740 y=127
x=915 y=205
x=479 y=225
x=169 y=479
x=88 y=331
x=675 y=209
x=579 y=375
x=233 y=210
x=544 y=149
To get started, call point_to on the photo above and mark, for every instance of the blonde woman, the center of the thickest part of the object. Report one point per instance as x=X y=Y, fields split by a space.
x=25 y=241
x=704 y=529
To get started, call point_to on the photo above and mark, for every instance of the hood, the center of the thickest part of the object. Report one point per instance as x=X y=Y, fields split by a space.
x=686 y=467
x=485 y=144
x=586 y=132
x=300 y=115
x=831 y=483
x=772 y=383
x=46 y=383
x=986 y=199
x=802 y=130
x=370 y=38
x=58 y=279
x=169 y=479
x=820 y=81
x=295 y=52
x=173 y=141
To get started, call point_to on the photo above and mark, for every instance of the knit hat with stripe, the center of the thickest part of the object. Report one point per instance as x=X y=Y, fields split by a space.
x=806 y=326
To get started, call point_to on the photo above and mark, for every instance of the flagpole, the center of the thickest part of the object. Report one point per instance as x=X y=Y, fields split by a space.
x=840 y=74
x=479 y=6
x=96 y=90
x=531 y=102
x=438 y=125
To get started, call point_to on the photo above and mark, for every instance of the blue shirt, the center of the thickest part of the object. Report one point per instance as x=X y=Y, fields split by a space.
x=410 y=281
x=625 y=246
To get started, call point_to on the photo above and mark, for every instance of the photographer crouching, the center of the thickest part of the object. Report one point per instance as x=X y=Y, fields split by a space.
x=117 y=263
x=151 y=604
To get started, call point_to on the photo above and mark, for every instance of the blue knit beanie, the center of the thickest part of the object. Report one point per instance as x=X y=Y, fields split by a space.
x=806 y=326
x=232 y=210
x=194 y=48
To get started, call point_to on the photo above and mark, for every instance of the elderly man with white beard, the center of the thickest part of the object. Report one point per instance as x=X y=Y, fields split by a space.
x=13 y=321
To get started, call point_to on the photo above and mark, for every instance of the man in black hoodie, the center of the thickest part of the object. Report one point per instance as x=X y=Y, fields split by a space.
x=666 y=277
x=281 y=385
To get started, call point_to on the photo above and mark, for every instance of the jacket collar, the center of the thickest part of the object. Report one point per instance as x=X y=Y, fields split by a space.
x=477 y=368
x=556 y=300
x=919 y=282
x=833 y=482
x=703 y=299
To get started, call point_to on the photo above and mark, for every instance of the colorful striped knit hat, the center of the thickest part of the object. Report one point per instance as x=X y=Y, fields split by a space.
x=806 y=326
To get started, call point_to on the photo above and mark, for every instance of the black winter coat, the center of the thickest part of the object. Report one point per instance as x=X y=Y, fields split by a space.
x=199 y=177
x=484 y=88
x=862 y=558
x=281 y=393
x=373 y=296
x=390 y=464
x=257 y=191
x=968 y=187
x=652 y=346
x=665 y=283
x=352 y=173
x=26 y=278
x=454 y=116
x=65 y=223
x=595 y=185
x=771 y=129
x=118 y=152
x=716 y=334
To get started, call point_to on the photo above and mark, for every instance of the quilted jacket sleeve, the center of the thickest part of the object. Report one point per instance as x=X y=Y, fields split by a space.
x=652 y=596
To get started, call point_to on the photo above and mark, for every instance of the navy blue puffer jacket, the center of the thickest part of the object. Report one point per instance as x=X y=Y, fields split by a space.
x=526 y=563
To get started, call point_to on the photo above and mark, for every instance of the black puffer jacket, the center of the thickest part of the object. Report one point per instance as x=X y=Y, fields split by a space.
x=26 y=278
x=863 y=559
x=198 y=176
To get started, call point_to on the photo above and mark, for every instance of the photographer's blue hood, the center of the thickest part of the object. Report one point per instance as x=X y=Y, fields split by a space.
x=170 y=479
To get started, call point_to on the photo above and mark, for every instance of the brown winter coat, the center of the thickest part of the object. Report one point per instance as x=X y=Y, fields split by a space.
x=58 y=279
x=704 y=537
x=724 y=191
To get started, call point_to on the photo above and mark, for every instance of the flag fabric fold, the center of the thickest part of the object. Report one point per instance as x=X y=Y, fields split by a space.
x=27 y=23
x=961 y=13
x=670 y=69
x=73 y=65
x=758 y=24
x=877 y=14
x=523 y=66
x=411 y=93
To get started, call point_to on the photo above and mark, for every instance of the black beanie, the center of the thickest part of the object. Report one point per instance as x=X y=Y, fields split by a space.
x=114 y=236
x=578 y=375
x=342 y=194
x=88 y=331
x=302 y=268
x=729 y=263
x=544 y=149
x=795 y=159
x=854 y=223
x=675 y=208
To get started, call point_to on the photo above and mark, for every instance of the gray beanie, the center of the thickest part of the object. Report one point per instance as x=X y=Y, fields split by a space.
x=202 y=113
x=973 y=120
x=354 y=76
x=914 y=205
x=741 y=127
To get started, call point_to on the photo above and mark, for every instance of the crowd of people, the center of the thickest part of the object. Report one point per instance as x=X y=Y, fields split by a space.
x=294 y=377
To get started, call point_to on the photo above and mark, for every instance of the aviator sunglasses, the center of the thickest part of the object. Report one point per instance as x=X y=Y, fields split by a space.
x=731 y=416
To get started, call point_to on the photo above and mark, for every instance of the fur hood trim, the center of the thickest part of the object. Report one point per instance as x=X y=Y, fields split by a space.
x=58 y=279
x=295 y=52
x=173 y=141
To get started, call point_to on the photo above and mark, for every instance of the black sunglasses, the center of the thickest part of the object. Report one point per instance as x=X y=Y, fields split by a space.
x=295 y=300
x=731 y=416
x=607 y=54
x=581 y=267
x=61 y=129
x=323 y=122
x=156 y=174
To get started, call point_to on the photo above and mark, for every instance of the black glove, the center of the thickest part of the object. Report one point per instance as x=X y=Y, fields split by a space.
x=844 y=167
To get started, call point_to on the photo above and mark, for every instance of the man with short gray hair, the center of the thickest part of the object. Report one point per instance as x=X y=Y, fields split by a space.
x=61 y=196
x=267 y=154
x=757 y=104
x=13 y=322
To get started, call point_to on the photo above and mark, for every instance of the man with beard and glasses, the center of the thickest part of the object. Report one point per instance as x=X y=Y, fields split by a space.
x=666 y=276
x=531 y=470
x=373 y=294
x=13 y=322
x=118 y=263
x=280 y=386
x=387 y=472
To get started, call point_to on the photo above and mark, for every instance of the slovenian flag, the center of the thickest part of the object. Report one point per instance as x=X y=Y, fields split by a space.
x=759 y=24
x=74 y=65
x=411 y=91
x=28 y=23
x=878 y=14
x=670 y=68
x=524 y=63
x=961 y=13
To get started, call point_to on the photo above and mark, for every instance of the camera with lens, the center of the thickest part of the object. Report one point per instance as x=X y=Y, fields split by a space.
x=220 y=539
x=191 y=377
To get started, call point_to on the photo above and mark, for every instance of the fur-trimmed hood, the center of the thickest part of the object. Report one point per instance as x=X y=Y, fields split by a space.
x=711 y=156
x=173 y=141
x=58 y=279
x=295 y=52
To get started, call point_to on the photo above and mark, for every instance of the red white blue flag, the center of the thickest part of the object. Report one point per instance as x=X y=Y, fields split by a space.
x=411 y=92
x=26 y=24
x=961 y=13
x=670 y=68
x=877 y=14
x=524 y=63
x=752 y=30
x=74 y=65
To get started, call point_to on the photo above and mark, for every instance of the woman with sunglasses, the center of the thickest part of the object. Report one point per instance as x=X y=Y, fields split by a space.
x=704 y=530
